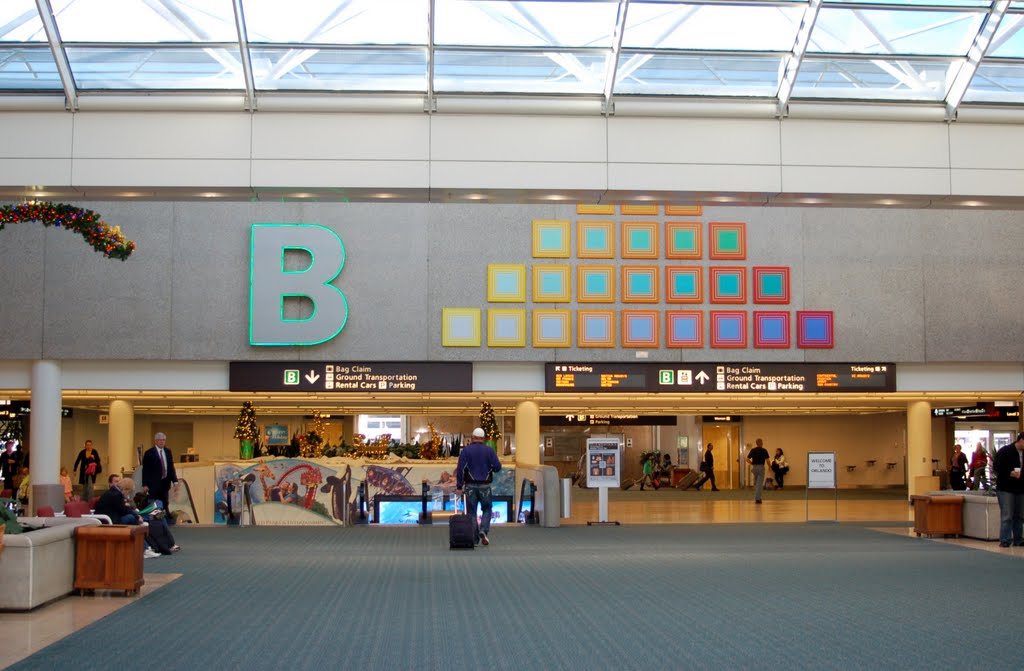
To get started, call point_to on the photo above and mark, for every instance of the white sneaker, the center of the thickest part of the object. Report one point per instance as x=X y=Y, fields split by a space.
x=149 y=554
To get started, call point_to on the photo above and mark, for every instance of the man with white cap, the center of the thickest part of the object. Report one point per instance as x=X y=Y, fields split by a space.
x=477 y=464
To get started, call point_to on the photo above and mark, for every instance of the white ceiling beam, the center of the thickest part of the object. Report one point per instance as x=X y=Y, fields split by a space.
x=982 y=42
x=796 y=56
x=60 y=57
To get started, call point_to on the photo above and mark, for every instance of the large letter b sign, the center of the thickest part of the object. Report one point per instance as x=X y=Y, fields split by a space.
x=271 y=282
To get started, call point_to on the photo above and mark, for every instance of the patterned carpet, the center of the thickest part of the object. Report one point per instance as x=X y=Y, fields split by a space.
x=737 y=596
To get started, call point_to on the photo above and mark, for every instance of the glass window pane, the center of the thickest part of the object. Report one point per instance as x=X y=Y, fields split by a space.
x=155 y=68
x=28 y=69
x=524 y=24
x=997 y=83
x=19 y=22
x=339 y=69
x=674 y=74
x=333 y=22
x=140 y=21
x=747 y=28
x=1009 y=39
x=869 y=31
x=519 y=72
x=876 y=78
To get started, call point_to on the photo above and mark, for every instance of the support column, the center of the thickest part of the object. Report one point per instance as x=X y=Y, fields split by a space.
x=919 y=448
x=44 y=424
x=121 y=438
x=528 y=434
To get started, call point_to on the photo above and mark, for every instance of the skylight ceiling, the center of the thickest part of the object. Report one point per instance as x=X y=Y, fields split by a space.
x=938 y=52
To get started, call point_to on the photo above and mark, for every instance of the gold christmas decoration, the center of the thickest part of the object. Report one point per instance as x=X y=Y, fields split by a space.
x=431 y=448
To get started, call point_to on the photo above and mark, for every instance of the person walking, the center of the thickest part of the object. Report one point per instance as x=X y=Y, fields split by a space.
x=477 y=465
x=979 y=464
x=957 y=469
x=757 y=457
x=158 y=473
x=1010 y=492
x=708 y=466
x=88 y=466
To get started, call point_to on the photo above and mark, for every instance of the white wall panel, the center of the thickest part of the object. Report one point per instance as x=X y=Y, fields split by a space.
x=859 y=143
x=160 y=135
x=986 y=146
x=517 y=138
x=987 y=182
x=165 y=172
x=341 y=174
x=516 y=175
x=844 y=179
x=49 y=172
x=693 y=177
x=694 y=141
x=341 y=136
x=35 y=135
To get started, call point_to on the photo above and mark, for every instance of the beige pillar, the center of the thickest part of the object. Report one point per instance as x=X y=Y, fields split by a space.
x=121 y=438
x=44 y=437
x=528 y=434
x=919 y=449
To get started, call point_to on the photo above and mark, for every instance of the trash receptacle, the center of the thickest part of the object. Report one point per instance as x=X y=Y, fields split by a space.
x=566 y=498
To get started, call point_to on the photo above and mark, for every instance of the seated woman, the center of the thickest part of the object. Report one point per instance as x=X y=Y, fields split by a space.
x=779 y=467
x=160 y=537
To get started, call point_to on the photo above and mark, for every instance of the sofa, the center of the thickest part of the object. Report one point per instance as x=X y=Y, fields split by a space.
x=980 y=513
x=38 y=566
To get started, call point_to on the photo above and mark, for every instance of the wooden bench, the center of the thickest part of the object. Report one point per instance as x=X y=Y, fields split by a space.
x=934 y=515
x=109 y=557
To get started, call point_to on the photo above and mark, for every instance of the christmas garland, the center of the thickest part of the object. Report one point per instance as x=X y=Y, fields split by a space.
x=108 y=240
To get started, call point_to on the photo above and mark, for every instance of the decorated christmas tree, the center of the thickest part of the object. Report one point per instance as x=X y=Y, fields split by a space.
x=246 y=431
x=311 y=444
x=488 y=423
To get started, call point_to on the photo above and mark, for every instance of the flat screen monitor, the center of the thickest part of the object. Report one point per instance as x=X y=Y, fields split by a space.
x=405 y=509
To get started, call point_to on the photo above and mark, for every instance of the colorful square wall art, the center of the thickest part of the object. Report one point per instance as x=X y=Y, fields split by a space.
x=684 y=328
x=550 y=239
x=595 y=239
x=728 y=329
x=728 y=241
x=595 y=328
x=595 y=284
x=551 y=328
x=684 y=210
x=683 y=284
x=771 y=330
x=639 y=284
x=683 y=240
x=506 y=283
x=460 y=327
x=771 y=284
x=506 y=327
x=640 y=328
x=641 y=210
x=814 y=329
x=728 y=284
x=595 y=209
x=640 y=240
x=551 y=284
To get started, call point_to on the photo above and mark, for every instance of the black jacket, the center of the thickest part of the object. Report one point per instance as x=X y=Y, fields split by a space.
x=1007 y=459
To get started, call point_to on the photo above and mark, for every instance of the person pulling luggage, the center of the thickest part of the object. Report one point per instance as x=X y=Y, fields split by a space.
x=477 y=465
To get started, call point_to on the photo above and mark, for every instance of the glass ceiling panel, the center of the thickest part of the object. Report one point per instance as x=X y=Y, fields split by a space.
x=690 y=26
x=28 y=69
x=880 y=79
x=531 y=23
x=518 y=71
x=717 y=75
x=152 y=68
x=916 y=3
x=997 y=83
x=19 y=22
x=145 y=21
x=881 y=31
x=333 y=22
x=340 y=69
x=1009 y=39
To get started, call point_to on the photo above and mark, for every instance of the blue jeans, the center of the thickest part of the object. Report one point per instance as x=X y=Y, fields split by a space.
x=1011 y=516
x=479 y=494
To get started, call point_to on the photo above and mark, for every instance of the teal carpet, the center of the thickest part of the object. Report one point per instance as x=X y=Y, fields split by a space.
x=736 y=596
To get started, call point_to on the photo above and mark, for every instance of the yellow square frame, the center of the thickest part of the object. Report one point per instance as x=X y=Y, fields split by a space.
x=585 y=296
x=448 y=317
x=495 y=271
x=538 y=284
x=539 y=316
x=561 y=228
x=493 y=315
x=585 y=252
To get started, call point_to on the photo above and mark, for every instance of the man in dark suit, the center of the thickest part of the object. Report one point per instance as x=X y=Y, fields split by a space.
x=158 y=472
x=10 y=465
x=1010 y=491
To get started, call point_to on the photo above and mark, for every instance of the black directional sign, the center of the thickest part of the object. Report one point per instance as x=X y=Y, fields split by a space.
x=348 y=376
x=725 y=378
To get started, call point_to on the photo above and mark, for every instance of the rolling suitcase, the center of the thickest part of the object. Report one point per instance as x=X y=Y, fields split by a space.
x=627 y=483
x=688 y=480
x=461 y=530
x=701 y=479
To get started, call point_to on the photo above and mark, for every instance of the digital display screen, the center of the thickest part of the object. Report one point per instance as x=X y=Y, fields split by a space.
x=393 y=509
